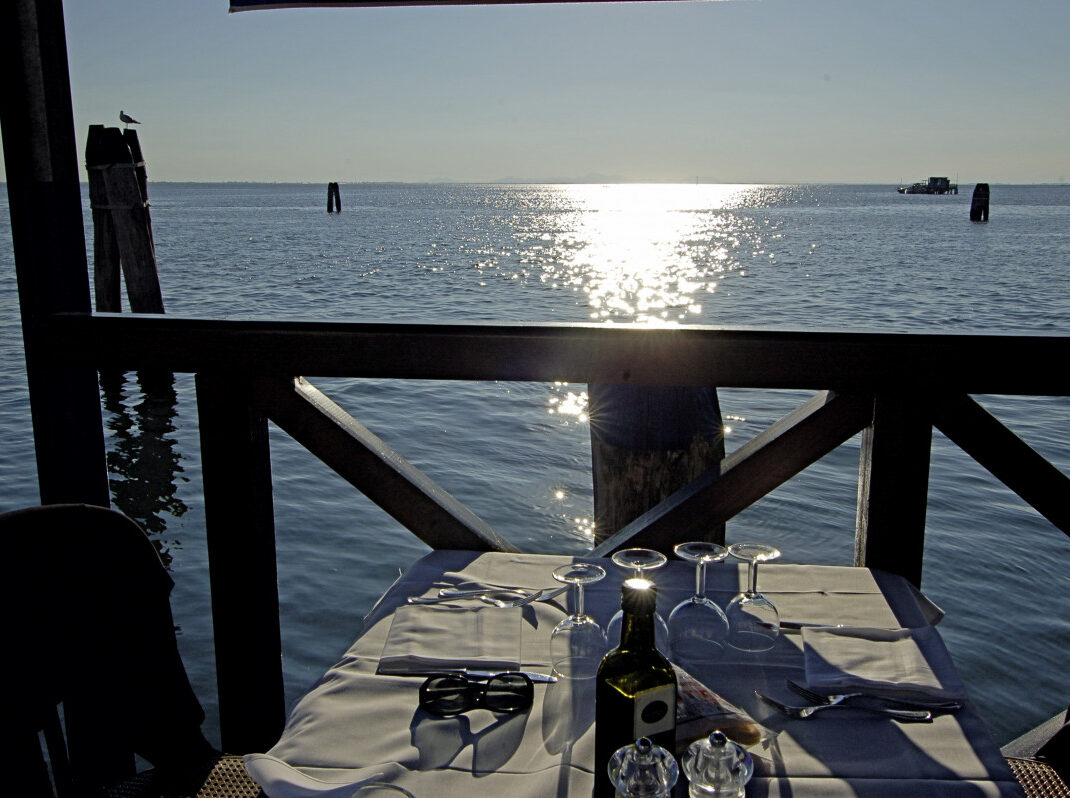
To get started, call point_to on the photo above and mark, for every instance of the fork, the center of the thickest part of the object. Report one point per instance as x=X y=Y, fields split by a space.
x=818 y=698
x=519 y=601
x=453 y=592
x=907 y=715
x=522 y=601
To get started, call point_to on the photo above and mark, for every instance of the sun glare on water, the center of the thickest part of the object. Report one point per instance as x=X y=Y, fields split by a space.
x=641 y=254
x=645 y=253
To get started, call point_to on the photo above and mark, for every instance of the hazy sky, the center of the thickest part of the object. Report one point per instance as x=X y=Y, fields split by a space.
x=736 y=91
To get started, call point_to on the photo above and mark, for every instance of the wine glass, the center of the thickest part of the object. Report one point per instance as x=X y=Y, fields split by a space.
x=639 y=560
x=698 y=628
x=577 y=643
x=753 y=621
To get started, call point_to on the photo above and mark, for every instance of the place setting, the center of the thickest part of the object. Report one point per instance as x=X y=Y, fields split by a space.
x=903 y=673
x=899 y=673
x=488 y=689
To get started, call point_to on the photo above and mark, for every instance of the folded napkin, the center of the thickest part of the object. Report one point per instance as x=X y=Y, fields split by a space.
x=429 y=638
x=279 y=780
x=911 y=664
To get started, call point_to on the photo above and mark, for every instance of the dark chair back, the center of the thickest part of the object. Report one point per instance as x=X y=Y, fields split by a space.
x=91 y=662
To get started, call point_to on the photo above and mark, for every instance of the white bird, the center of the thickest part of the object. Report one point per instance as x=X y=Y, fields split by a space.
x=126 y=119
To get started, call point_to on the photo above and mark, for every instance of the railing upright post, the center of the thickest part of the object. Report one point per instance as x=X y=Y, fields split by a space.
x=242 y=565
x=49 y=243
x=893 y=483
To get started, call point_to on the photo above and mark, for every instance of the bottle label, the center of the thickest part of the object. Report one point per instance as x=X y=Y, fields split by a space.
x=655 y=711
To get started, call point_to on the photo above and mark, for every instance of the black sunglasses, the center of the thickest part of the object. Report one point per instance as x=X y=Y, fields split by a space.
x=453 y=693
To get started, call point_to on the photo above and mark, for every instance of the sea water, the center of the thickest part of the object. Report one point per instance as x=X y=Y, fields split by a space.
x=803 y=257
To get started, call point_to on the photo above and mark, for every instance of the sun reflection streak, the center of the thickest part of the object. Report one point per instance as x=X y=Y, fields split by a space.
x=644 y=253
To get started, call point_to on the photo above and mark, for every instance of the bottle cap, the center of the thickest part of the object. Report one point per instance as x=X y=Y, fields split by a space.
x=643 y=770
x=639 y=596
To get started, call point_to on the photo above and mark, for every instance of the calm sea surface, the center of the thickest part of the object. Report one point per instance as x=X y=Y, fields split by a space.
x=807 y=257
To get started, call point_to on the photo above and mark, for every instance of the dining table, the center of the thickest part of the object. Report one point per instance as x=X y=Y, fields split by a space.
x=361 y=723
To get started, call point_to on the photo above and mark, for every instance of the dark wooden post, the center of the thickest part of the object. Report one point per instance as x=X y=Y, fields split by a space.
x=118 y=191
x=979 y=203
x=893 y=483
x=49 y=244
x=242 y=565
x=106 y=282
x=334 y=198
x=647 y=442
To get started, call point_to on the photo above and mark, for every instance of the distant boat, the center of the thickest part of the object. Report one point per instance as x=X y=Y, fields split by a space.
x=936 y=185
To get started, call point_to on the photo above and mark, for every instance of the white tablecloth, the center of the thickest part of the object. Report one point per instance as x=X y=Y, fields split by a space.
x=356 y=724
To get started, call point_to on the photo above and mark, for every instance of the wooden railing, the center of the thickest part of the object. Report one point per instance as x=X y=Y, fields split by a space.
x=893 y=388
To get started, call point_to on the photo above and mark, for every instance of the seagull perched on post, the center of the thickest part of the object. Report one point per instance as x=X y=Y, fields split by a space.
x=126 y=119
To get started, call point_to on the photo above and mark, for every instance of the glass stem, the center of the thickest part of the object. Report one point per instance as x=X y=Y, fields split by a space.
x=579 y=600
x=753 y=589
x=700 y=579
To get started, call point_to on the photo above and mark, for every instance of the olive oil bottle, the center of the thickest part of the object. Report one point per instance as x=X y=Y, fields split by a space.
x=635 y=690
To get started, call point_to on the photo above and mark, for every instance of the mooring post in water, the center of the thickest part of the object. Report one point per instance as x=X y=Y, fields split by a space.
x=647 y=442
x=106 y=280
x=334 y=198
x=979 y=204
x=118 y=194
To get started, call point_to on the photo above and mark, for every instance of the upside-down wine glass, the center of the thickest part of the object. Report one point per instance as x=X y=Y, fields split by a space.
x=638 y=561
x=698 y=628
x=753 y=621
x=577 y=643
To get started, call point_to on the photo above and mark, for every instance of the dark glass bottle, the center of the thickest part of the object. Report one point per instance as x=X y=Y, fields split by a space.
x=635 y=690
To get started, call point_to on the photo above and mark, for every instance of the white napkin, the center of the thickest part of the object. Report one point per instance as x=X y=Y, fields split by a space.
x=279 y=780
x=911 y=664
x=429 y=638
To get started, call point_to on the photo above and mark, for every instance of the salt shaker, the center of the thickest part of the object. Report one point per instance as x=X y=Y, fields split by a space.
x=717 y=767
x=643 y=770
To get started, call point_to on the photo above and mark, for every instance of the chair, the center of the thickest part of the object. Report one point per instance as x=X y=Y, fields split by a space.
x=1038 y=779
x=1040 y=758
x=92 y=665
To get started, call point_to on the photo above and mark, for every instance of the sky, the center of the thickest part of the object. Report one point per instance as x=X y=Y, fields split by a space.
x=732 y=91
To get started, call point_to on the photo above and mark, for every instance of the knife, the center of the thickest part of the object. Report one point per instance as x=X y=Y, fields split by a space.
x=797 y=626
x=543 y=678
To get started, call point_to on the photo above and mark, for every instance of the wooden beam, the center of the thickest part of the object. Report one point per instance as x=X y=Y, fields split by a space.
x=242 y=564
x=376 y=470
x=49 y=244
x=250 y=5
x=762 y=464
x=623 y=354
x=1008 y=457
x=893 y=483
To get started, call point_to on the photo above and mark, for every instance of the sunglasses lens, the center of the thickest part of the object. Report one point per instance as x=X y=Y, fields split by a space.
x=508 y=692
x=447 y=695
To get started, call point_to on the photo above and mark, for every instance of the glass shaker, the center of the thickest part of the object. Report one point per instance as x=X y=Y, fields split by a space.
x=717 y=767
x=643 y=770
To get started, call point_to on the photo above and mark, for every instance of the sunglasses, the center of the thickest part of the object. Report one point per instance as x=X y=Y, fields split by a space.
x=453 y=693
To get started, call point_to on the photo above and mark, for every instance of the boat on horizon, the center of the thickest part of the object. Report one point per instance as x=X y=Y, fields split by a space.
x=935 y=185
